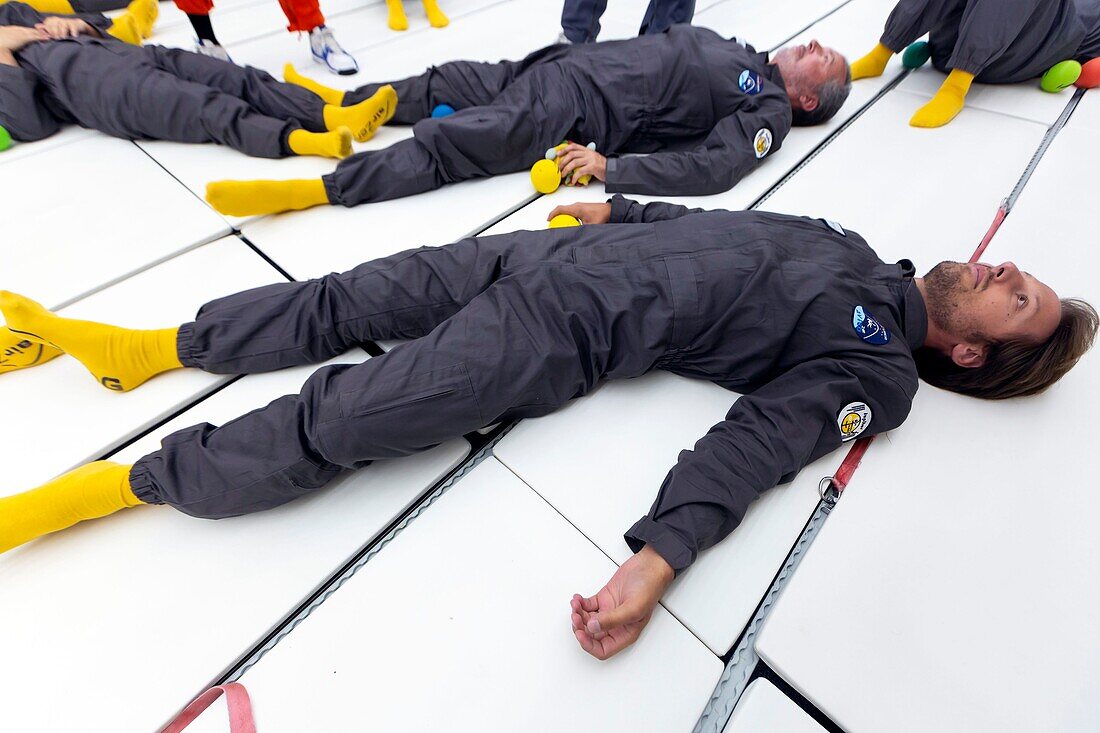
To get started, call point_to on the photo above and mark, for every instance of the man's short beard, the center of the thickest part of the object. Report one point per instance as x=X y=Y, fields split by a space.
x=942 y=287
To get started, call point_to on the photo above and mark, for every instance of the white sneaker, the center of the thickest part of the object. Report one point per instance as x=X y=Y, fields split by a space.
x=327 y=51
x=211 y=49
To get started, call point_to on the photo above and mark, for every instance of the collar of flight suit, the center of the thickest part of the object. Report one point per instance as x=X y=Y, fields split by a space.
x=914 y=313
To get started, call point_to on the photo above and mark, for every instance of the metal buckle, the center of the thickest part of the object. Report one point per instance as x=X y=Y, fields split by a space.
x=826 y=489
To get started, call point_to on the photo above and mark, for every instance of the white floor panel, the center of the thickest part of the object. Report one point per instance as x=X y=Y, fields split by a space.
x=926 y=195
x=117 y=212
x=68 y=134
x=1087 y=114
x=764 y=23
x=1025 y=100
x=151 y=590
x=461 y=624
x=66 y=418
x=334 y=238
x=763 y=708
x=601 y=460
x=961 y=557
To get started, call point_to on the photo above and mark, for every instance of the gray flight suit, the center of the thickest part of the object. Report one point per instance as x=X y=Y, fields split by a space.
x=147 y=93
x=999 y=41
x=800 y=316
x=708 y=109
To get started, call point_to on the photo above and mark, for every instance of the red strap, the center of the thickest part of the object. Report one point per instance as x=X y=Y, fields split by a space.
x=1002 y=212
x=851 y=462
x=236 y=699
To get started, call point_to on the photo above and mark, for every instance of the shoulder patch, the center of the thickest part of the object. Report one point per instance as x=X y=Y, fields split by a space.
x=853 y=420
x=868 y=328
x=762 y=143
x=749 y=82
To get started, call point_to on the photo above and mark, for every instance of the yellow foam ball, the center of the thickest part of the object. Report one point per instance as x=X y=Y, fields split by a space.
x=545 y=176
x=564 y=220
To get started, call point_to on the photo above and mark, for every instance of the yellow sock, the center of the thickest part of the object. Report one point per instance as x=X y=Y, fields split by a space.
x=947 y=103
x=435 y=16
x=252 y=198
x=873 y=64
x=334 y=144
x=364 y=118
x=145 y=14
x=125 y=28
x=119 y=358
x=330 y=95
x=56 y=7
x=19 y=352
x=397 y=20
x=88 y=492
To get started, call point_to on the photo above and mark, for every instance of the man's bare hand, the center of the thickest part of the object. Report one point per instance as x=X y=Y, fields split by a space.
x=585 y=213
x=581 y=161
x=57 y=27
x=612 y=620
x=15 y=38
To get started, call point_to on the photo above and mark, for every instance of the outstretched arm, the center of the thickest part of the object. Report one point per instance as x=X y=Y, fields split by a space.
x=621 y=210
x=766 y=438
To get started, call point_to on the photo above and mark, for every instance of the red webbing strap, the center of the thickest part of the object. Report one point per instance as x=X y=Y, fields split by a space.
x=1002 y=212
x=236 y=699
x=851 y=462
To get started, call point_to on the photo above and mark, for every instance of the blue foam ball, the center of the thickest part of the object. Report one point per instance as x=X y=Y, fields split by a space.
x=442 y=110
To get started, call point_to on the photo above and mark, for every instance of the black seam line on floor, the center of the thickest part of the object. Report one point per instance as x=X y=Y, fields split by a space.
x=595 y=544
x=264 y=256
x=808 y=27
x=829 y=140
x=186 y=188
x=764 y=671
x=480 y=450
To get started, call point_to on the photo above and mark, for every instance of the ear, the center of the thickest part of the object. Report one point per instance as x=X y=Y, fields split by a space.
x=968 y=355
x=808 y=102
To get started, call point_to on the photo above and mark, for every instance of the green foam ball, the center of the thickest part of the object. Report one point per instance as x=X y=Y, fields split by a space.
x=5 y=139
x=1060 y=76
x=916 y=55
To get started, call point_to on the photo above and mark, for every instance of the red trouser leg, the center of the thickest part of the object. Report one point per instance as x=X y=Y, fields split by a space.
x=195 y=7
x=304 y=15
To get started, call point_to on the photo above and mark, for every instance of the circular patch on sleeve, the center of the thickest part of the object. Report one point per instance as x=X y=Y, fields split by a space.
x=762 y=143
x=853 y=420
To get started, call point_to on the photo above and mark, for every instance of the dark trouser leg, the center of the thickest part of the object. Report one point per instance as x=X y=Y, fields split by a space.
x=580 y=19
x=97 y=6
x=911 y=19
x=460 y=84
x=534 y=113
x=516 y=349
x=256 y=88
x=399 y=297
x=664 y=13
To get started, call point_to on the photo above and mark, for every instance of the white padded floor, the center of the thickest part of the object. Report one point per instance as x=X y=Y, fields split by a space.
x=68 y=416
x=109 y=218
x=927 y=195
x=600 y=461
x=960 y=561
x=132 y=615
x=462 y=624
x=764 y=709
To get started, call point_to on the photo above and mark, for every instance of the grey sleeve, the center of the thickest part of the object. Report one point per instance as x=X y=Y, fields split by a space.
x=736 y=145
x=21 y=113
x=766 y=438
x=628 y=211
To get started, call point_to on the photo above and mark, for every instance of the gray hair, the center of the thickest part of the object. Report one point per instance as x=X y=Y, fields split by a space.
x=830 y=98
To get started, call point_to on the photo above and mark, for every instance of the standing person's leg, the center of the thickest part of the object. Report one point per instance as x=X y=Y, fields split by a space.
x=198 y=13
x=305 y=16
x=580 y=19
x=536 y=111
x=661 y=14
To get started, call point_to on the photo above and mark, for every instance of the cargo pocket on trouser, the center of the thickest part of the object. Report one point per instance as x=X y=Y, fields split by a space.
x=388 y=415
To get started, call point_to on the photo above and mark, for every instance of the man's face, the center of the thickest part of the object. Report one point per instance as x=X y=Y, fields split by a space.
x=805 y=68
x=979 y=303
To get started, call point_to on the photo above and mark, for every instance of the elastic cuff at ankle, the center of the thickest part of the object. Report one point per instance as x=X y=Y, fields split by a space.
x=185 y=346
x=141 y=483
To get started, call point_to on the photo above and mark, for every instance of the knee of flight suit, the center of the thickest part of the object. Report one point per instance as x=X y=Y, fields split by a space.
x=382 y=408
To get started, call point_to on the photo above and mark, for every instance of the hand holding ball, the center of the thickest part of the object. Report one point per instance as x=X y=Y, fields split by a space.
x=564 y=220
